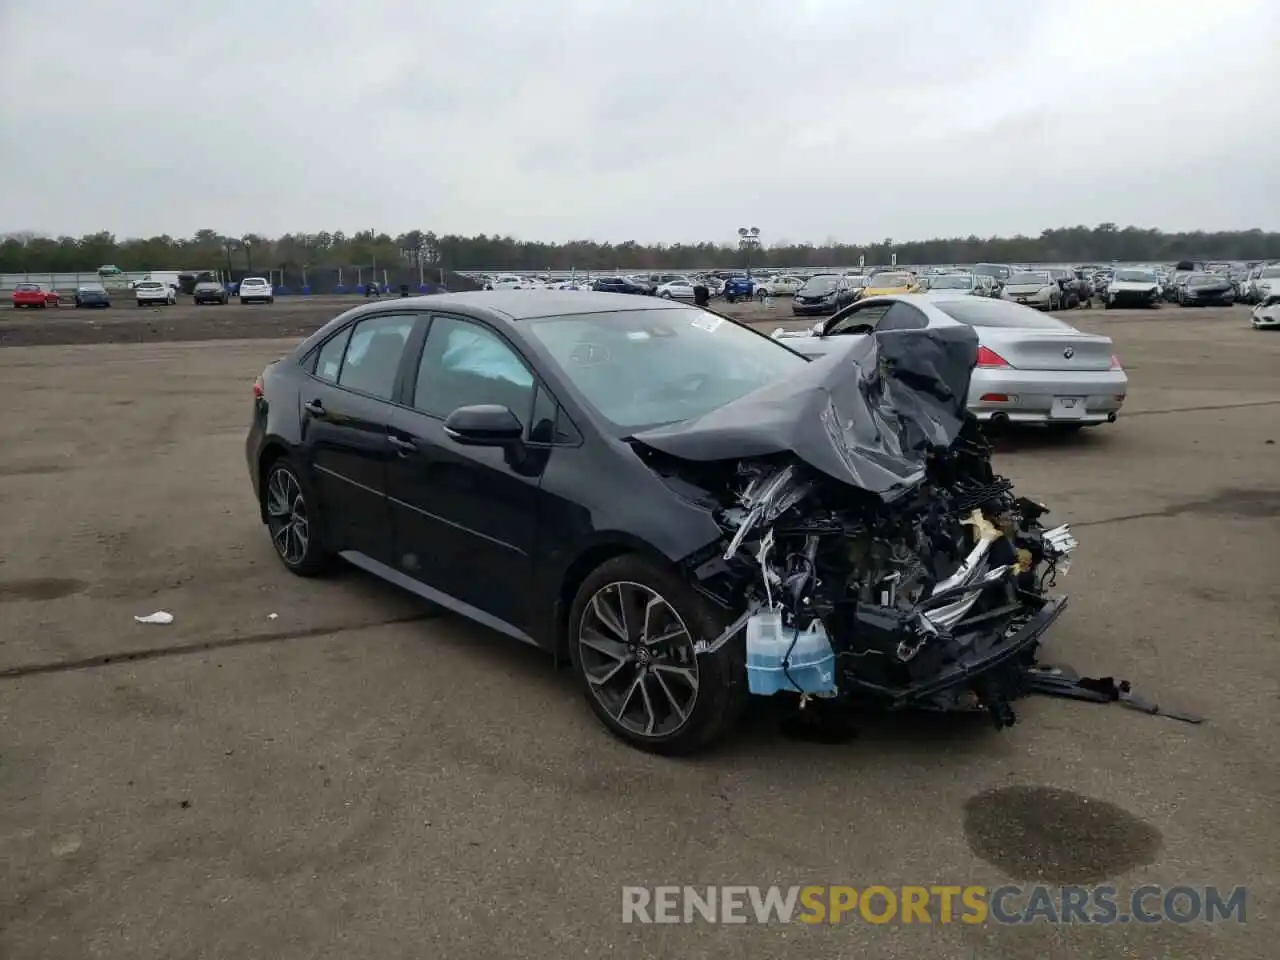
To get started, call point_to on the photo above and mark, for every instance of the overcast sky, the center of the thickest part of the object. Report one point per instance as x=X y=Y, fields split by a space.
x=652 y=120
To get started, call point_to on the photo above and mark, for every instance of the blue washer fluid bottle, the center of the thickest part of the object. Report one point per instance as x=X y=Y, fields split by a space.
x=811 y=664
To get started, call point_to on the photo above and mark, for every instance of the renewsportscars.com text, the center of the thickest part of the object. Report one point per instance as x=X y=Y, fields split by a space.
x=934 y=904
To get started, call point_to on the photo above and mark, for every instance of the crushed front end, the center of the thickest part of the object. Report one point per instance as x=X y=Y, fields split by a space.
x=937 y=600
x=865 y=514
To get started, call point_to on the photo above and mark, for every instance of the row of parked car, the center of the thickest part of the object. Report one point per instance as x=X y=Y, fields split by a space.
x=146 y=293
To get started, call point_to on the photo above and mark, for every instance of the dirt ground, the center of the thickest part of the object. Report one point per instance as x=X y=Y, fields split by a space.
x=315 y=769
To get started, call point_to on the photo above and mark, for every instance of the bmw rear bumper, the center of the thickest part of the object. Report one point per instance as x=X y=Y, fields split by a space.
x=1047 y=396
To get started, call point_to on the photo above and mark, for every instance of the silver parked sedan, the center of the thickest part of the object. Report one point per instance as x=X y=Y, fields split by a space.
x=1031 y=368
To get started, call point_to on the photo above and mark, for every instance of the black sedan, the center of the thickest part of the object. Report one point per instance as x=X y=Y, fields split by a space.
x=92 y=295
x=637 y=483
x=472 y=448
x=209 y=291
x=1206 y=290
x=824 y=294
x=621 y=285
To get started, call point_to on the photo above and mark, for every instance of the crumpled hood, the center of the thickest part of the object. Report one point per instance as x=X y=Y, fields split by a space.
x=867 y=416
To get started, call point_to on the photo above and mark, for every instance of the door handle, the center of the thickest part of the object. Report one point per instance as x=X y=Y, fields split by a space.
x=402 y=446
x=314 y=407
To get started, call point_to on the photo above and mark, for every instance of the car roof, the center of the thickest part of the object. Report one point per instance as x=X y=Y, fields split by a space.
x=532 y=304
x=925 y=303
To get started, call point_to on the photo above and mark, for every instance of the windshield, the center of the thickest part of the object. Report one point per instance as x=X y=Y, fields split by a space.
x=640 y=368
x=980 y=312
x=1199 y=279
x=27 y=287
x=951 y=283
x=1270 y=273
x=994 y=270
x=1028 y=279
x=883 y=281
x=816 y=285
x=1135 y=276
x=93 y=288
x=148 y=285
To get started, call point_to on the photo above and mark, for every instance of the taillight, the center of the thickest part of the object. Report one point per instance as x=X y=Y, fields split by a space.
x=989 y=358
x=257 y=389
x=1115 y=363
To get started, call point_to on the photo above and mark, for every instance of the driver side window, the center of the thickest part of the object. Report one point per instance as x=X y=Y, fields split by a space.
x=465 y=363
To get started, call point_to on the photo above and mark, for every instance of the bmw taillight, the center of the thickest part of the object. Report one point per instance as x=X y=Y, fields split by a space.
x=257 y=389
x=989 y=359
x=1115 y=363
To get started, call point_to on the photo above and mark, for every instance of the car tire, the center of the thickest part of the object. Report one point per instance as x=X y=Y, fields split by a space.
x=139 y=303
x=297 y=533
x=686 y=701
x=665 y=295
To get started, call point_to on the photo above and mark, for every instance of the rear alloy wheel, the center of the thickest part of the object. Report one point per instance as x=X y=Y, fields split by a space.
x=291 y=521
x=632 y=632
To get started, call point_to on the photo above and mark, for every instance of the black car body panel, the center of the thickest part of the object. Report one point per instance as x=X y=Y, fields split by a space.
x=868 y=416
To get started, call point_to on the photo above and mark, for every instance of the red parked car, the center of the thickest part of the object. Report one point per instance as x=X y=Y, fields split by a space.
x=33 y=295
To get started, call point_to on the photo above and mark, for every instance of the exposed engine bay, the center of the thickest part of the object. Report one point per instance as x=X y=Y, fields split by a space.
x=860 y=509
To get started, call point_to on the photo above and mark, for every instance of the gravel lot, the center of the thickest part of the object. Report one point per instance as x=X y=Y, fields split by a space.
x=358 y=777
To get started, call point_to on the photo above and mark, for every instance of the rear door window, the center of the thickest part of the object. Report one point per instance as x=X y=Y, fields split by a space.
x=329 y=359
x=373 y=355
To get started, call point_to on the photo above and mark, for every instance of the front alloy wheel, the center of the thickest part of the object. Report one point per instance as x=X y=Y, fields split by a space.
x=638 y=660
x=632 y=631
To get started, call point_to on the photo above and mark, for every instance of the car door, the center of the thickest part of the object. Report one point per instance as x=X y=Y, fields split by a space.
x=346 y=411
x=465 y=517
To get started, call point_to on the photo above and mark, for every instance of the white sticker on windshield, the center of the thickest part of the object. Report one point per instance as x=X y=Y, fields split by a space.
x=707 y=323
x=637 y=334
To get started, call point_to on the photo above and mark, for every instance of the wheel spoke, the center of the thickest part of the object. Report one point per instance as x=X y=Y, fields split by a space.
x=646 y=628
x=608 y=618
x=599 y=680
x=605 y=646
x=622 y=612
x=688 y=674
x=671 y=699
x=626 y=697
x=651 y=718
x=672 y=634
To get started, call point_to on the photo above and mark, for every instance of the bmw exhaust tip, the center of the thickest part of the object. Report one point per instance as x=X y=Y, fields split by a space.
x=1111 y=417
x=1000 y=420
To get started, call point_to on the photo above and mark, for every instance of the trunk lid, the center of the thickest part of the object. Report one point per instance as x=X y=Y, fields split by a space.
x=1036 y=349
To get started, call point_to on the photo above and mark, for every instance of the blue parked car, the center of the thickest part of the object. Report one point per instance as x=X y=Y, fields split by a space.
x=739 y=288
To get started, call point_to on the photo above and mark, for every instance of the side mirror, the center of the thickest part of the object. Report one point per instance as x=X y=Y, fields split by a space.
x=483 y=425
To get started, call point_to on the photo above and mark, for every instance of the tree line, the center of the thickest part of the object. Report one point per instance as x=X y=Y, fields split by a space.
x=210 y=250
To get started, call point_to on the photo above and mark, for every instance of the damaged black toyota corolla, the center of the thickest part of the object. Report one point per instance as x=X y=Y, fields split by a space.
x=687 y=509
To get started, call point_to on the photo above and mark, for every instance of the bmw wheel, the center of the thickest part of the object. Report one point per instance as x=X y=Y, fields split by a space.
x=632 y=631
x=291 y=520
